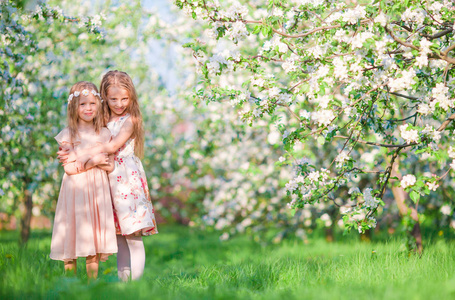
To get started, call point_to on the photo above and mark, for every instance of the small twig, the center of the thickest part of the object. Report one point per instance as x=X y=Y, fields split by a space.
x=437 y=35
x=405 y=96
x=446 y=70
x=400 y=120
x=378 y=144
x=399 y=41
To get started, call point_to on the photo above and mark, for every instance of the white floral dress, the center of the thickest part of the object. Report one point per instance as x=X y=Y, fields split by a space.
x=133 y=209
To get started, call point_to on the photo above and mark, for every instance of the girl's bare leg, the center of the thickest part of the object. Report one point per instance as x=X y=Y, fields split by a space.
x=71 y=266
x=92 y=263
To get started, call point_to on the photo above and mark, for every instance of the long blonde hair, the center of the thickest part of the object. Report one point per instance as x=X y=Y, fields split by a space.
x=73 y=105
x=123 y=80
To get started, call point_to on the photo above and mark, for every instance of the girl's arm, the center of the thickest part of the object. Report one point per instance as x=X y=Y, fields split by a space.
x=101 y=160
x=111 y=147
x=108 y=166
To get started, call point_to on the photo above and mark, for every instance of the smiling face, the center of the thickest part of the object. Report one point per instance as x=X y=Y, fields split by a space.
x=118 y=100
x=87 y=109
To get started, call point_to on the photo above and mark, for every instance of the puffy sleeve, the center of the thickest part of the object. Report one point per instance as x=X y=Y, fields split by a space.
x=105 y=136
x=63 y=137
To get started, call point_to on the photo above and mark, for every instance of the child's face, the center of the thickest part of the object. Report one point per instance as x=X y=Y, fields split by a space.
x=118 y=100
x=87 y=108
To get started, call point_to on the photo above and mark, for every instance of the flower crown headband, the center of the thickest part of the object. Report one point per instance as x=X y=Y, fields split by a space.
x=85 y=93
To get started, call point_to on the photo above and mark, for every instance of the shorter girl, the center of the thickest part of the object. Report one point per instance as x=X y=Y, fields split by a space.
x=84 y=222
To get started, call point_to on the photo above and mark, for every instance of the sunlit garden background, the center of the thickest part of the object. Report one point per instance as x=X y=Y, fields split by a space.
x=294 y=148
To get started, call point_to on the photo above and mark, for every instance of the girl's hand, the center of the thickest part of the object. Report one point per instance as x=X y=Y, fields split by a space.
x=100 y=159
x=79 y=166
x=79 y=163
x=63 y=153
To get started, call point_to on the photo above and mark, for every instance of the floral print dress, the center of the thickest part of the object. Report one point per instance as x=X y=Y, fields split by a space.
x=133 y=209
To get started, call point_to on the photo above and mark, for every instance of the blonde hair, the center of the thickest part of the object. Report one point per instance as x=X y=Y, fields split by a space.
x=72 y=109
x=123 y=80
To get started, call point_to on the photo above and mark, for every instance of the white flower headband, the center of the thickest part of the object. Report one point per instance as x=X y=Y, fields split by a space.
x=85 y=93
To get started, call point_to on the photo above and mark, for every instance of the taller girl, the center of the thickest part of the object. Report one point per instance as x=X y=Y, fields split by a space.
x=133 y=210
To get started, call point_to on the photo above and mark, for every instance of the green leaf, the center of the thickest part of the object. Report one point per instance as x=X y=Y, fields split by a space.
x=321 y=140
x=420 y=183
x=305 y=88
x=415 y=196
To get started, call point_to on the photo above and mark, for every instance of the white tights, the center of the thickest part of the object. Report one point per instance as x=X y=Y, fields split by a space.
x=130 y=257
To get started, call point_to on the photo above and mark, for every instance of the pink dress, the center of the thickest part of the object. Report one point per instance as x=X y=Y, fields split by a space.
x=84 y=219
x=133 y=209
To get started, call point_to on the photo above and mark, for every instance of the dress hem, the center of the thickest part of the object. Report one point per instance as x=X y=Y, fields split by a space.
x=152 y=231
x=104 y=256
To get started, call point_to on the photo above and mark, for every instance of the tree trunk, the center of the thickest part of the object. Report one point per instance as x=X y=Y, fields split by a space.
x=27 y=216
x=329 y=234
x=400 y=197
x=366 y=236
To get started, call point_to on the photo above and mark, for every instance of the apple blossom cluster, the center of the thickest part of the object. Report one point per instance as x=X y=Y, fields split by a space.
x=404 y=82
x=348 y=15
x=408 y=180
x=237 y=31
x=303 y=186
x=222 y=60
x=342 y=158
x=439 y=98
x=409 y=135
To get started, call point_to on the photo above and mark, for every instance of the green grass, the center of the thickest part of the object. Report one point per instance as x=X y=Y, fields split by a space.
x=190 y=264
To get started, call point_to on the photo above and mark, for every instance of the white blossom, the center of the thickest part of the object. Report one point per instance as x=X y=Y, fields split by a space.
x=404 y=82
x=237 y=31
x=452 y=165
x=305 y=114
x=408 y=180
x=370 y=201
x=416 y=16
x=289 y=66
x=410 y=136
x=313 y=176
x=323 y=117
x=354 y=190
x=352 y=15
x=433 y=185
x=440 y=95
x=451 y=152
x=341 y=158
x=258 y=81
x=424 y=109
x=422 y=60
x=446 y=210
x=381 y=19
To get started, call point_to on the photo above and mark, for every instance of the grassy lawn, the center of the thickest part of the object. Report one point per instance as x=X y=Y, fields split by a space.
x=189 y=264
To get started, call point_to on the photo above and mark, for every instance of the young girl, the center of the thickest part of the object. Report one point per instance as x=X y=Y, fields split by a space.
x=133 y=209
x=84 y=222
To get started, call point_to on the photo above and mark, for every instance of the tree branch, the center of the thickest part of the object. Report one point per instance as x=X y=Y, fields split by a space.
x=399 y=41
x=405 y=96
x=446 y=123
x=451 y=47
x=377 y=144
x=302 y=34
x=437 y=35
